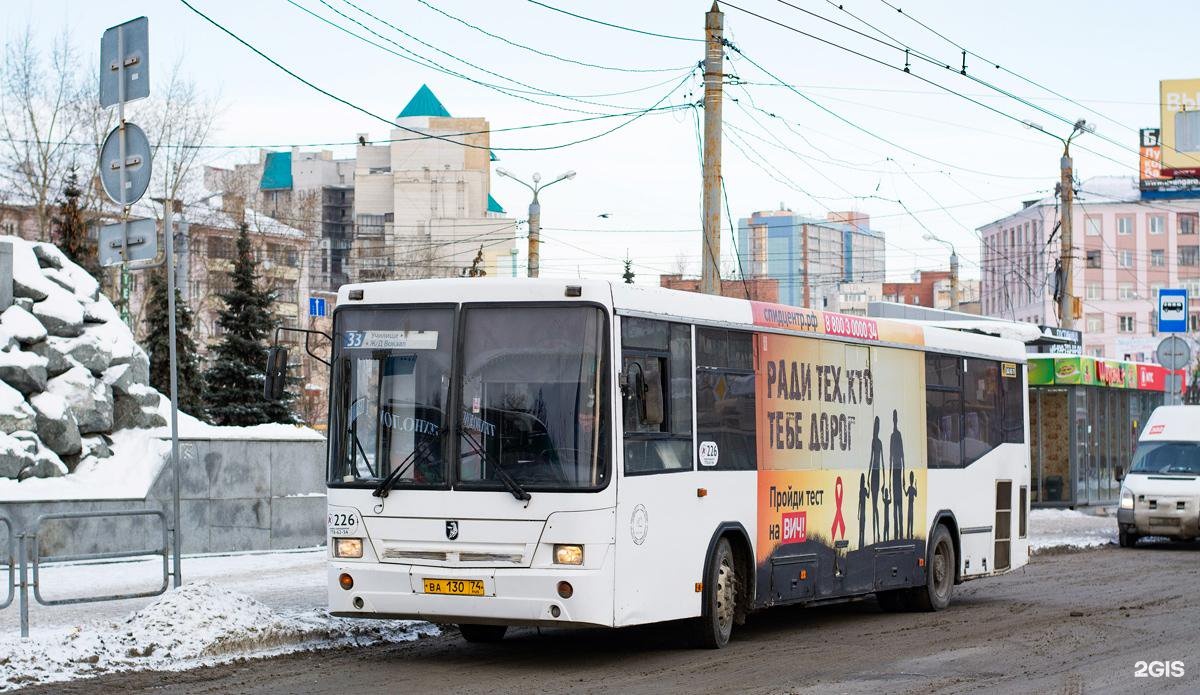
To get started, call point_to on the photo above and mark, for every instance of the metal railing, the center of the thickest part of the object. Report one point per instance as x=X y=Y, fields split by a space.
x=28 y=555
x=11 y=562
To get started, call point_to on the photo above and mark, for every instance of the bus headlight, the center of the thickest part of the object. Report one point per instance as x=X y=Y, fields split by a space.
x=565 y=554
x=1126 y=498
x=347 y=547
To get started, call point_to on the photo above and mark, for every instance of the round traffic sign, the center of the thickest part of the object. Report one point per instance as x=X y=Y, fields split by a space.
x=136 y=165
x=1173 y=353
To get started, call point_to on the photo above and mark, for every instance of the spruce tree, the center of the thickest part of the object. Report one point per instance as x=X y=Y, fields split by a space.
x=70 y=229
x=628 y=274
x=233 y=384
x=158 y=344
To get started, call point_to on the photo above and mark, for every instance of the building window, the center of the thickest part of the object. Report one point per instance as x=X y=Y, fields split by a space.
x=1158 y=257
x=1154 y=289
x=220 y=247
x=1093 y=226
x=1095 y=323
x=1193 y=287
x=1187 y=222
x=1125 y=323
x=1194 y=322
x=1093 y=259
x=1125 y=258
x=1125 y=291
x=1094 y=291
x=1124 y=226
x=1189 y=255
x=1158 y=224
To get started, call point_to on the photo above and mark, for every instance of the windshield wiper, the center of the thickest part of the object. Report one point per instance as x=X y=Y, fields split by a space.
x=385 y=485
x=509 y=482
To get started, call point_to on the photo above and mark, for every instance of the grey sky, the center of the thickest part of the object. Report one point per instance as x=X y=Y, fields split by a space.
x=646 y=175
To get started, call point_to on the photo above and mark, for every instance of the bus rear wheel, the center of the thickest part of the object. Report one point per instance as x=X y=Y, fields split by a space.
x=715 y=624
x=482 y=633
x=939 y=574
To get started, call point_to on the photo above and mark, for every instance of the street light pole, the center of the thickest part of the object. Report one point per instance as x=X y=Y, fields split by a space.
x=930 y=236
x=535 y=214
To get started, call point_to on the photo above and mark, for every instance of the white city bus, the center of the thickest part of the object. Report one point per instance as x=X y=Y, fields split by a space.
x=570 y=453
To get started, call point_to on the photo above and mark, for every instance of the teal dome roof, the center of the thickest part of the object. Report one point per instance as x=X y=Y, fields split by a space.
x=424 y=103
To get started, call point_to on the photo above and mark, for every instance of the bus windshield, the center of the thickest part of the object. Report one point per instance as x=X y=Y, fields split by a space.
x=1181 y=458
x=532 y=400
x=391 y=381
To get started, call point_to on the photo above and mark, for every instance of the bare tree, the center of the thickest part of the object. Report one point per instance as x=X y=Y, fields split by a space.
x=43 y=112
x=681 y=263
x=178 y=120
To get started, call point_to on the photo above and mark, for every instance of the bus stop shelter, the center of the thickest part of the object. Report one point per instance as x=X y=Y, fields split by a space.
x=1085 y=416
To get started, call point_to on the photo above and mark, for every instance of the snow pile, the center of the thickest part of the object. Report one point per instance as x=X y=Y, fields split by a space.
x=1069 y=528
x=197 y=624
x=71 y=372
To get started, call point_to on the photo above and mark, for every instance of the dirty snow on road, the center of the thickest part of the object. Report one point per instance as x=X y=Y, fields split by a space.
x=1070 y=528
x=235 y=606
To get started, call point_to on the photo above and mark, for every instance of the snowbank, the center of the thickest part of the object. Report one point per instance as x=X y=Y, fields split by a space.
x=1069 y=528
x=192 y=428
x=137 y=457
x=197 y=624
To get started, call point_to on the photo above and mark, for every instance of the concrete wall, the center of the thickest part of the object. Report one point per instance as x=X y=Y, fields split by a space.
x=236 y=495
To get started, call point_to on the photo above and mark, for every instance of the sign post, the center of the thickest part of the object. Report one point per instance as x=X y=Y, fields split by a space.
x=125 y=169
x=1174 y=353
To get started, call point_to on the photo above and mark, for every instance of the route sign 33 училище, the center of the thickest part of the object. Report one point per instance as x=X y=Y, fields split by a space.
x=1172 y=311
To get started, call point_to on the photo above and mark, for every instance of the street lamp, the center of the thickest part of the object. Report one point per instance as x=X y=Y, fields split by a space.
x=930 y=236
x=535 y=213
x=1066 y=300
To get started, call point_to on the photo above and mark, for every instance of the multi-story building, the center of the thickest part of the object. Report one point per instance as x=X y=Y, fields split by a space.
x=1127 y=248
x=928 y=289
x=423 y=205
x=810 y=257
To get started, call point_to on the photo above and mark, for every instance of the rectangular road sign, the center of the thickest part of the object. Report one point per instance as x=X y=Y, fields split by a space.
x=142 y=243
x=125 y=55
x=1172 y=311
x=316 y=306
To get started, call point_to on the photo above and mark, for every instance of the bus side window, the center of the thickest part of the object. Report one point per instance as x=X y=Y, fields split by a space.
x=656 y=372
x=725 y=398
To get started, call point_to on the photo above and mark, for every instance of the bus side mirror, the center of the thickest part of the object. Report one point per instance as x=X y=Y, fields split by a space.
x=1118 y=473
x=276 y=376
x=650 y=392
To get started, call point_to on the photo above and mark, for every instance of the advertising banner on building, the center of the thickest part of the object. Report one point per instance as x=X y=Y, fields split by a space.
x=1180 y=127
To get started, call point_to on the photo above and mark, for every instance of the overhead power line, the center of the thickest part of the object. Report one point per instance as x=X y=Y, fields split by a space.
x=615 y=26
x=392 y=124
x=546 y=54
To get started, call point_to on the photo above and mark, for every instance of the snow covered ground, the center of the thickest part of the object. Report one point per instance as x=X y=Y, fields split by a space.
x=1070 y=528
x=255 y=605
x=235 y=606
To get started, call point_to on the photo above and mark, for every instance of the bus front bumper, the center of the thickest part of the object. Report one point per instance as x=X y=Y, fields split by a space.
x=513 y=596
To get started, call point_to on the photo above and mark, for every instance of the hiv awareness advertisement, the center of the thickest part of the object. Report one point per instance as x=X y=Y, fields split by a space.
x=842 y=465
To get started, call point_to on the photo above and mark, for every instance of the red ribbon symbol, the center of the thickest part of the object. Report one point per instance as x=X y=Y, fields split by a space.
x=839 y=524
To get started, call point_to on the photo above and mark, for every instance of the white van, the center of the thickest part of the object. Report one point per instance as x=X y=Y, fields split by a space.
x=1160 y=496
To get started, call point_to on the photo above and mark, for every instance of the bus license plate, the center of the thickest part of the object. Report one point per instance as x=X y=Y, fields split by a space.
x=454 y=587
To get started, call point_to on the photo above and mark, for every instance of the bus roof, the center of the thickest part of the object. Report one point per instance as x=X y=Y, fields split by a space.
x=678 y=305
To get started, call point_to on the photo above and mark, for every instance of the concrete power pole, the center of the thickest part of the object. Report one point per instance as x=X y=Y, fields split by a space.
x=1066 y=306
x=953 y=280
x=714 y=57
x=535 y=235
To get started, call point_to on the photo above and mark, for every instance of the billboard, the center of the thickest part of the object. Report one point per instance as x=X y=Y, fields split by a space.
x=1179 y=126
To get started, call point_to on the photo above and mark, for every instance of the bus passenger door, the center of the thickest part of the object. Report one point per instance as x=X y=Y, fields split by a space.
x=659 y=550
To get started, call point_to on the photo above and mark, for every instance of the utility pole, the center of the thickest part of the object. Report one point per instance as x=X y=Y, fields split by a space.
x=1066 y=300
x=804 y=252
x=953 y=280
x=535 y=214
x=714 y=75
x=1066 y=306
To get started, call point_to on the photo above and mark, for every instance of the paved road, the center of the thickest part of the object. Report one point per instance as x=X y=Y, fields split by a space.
x=1069 y=623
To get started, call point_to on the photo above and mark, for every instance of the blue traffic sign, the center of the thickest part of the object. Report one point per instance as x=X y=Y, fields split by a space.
x=1173 y=311
x=316 y=306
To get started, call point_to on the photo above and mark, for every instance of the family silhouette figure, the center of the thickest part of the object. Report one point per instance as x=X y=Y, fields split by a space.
x=894 y=495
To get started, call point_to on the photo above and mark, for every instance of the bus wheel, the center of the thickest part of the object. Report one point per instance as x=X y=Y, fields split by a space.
x=939 y=573
x=712 y=629
x=482 y=633
x=1127 y=539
